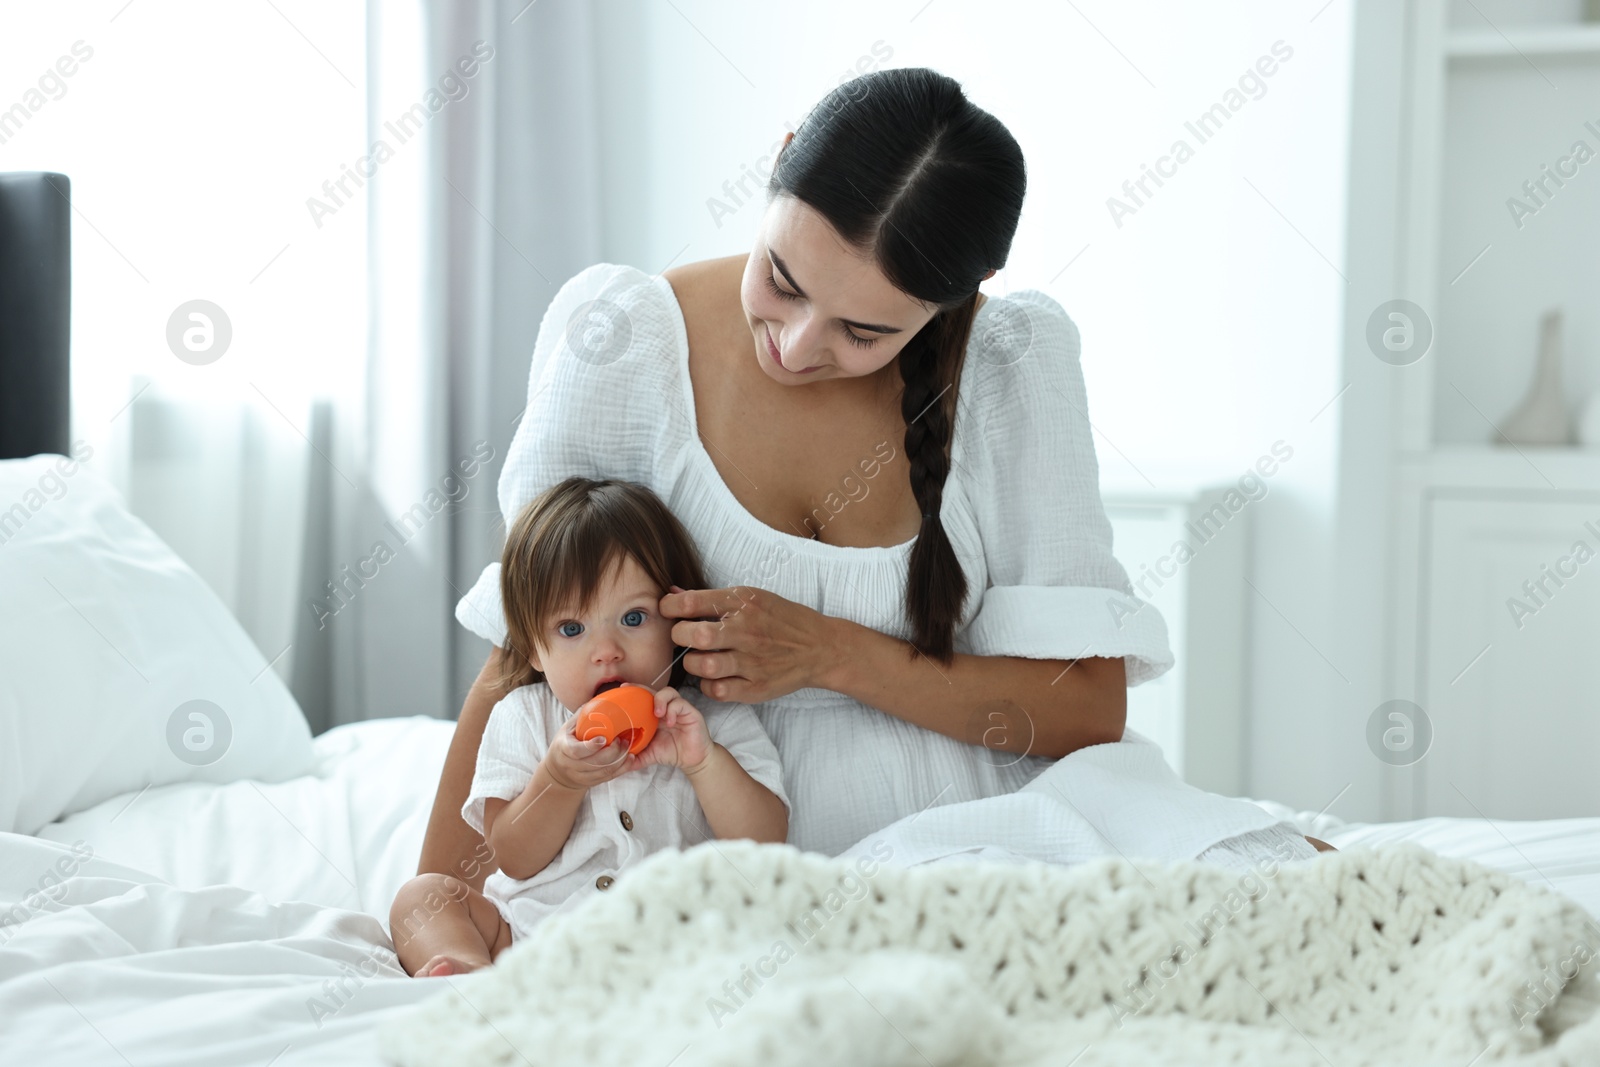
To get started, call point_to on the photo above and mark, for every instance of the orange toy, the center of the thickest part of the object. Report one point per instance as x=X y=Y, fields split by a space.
x=627 y=712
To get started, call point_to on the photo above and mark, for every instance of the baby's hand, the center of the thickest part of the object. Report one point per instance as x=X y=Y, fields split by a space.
x=681 y=737
x=585 y=764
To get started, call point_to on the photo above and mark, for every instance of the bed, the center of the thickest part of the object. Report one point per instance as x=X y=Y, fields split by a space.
x=246 y=922
x=189 y=877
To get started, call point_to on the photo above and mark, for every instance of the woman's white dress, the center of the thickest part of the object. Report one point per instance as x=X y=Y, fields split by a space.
x=610 y=397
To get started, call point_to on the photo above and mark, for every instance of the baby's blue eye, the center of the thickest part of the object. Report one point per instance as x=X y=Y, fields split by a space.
x=636 y=611
x=562 y=629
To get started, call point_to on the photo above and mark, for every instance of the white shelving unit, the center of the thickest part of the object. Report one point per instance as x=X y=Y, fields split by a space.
x=1578 y=40
x=1497 y=93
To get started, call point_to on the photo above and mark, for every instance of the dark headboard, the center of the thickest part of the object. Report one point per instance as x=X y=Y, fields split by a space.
x=35 y=313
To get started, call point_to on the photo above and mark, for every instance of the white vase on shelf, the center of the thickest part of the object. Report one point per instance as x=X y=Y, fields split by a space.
x=1541 y=418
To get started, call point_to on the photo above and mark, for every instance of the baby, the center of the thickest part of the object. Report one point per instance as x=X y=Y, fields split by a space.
x=582 y=575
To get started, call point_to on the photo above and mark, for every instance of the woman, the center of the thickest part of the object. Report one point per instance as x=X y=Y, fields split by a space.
x=892 y=477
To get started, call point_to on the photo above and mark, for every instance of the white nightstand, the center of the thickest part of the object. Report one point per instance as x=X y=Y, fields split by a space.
x=1195 y=711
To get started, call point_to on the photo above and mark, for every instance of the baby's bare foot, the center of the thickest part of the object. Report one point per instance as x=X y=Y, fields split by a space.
x=444 y=966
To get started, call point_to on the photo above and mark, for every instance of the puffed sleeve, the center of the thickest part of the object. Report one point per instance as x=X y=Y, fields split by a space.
x=514 y=741
x=583 y=383
x=736 y=728
x=1055 y=591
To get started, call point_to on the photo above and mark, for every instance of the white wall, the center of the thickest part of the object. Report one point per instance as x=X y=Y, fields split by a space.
x=1211 y=317
x=1209 y=323
x=1320 y=667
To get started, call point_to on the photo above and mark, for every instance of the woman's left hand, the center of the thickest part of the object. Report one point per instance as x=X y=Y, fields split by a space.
x=749 y=645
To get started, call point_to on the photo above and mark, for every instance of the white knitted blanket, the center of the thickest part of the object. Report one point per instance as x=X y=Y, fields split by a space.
x=738 y=953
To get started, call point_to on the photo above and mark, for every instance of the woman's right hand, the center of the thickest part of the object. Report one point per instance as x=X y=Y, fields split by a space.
x=582 y=765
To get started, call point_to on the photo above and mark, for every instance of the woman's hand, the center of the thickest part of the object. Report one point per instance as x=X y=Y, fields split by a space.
x=681 y=739
x=749 y=645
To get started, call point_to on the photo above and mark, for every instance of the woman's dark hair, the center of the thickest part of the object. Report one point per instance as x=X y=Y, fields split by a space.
x=565 y=541
x=929 y=185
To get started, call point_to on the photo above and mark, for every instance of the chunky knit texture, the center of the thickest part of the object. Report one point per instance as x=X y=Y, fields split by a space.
x=738 y=953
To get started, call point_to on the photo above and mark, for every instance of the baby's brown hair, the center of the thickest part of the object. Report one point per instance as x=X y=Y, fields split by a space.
x=565 y=541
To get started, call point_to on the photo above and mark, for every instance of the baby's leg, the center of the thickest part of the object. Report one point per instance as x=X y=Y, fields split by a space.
x=442 y=926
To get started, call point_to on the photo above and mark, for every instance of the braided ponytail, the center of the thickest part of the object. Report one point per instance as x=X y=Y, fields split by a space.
x=906 y=168
x=930 y=366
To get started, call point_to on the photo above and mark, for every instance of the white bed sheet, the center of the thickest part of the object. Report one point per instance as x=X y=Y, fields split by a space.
x=236 y=924
x=246 y=924
x=347 y=836
x=1562 y=854
x=120 y=969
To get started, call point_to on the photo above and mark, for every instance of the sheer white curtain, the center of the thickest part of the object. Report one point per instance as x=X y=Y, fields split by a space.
x=192 y=135
x=380 y=201
x=482 y=200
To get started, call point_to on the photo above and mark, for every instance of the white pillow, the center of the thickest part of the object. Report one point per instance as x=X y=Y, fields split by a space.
x=119 y=667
